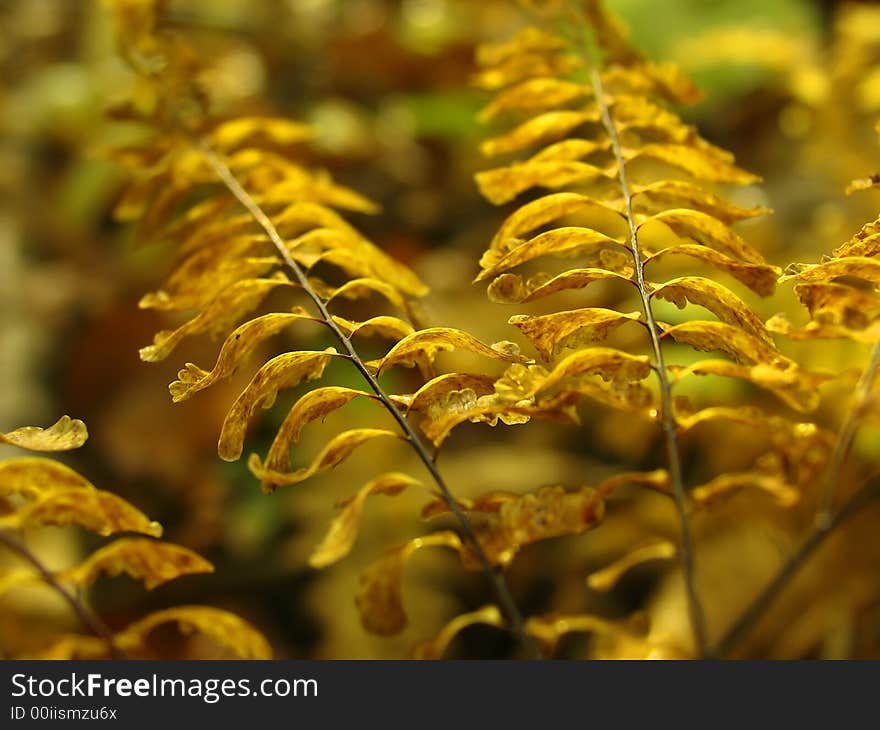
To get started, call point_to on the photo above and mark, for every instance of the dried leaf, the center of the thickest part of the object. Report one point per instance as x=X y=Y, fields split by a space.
x=65 y=434
x=551 y=333
x=338 y=541
x=739 y=345
x=566 y=241
x=427 y=343
x=435 y=648
x=230 y=305
x=152 y=561
x=857 y=267
x=95 y=510
x=280 y=373
x=333 y=454
x=709 y=231
x=760 y=278
x=544 y=127
x=785 y=494
x=391 y=328
x=718 y=299
x=534 y=95
x=222 y=627
x=503 y=184
x=315 y=404
x=380 y=594
x=605 y=579
x=33 y=476
x=696 y=161
x=665 y=194
x=511 y=289
x=237 y=347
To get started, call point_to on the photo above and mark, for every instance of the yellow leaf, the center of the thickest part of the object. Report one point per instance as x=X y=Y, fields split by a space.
x=95 y=510
x=665 y=194
x=760 y=278
x=315 y=404
x=222 y=627
x=566 y=241
x=796 y=387
x=512 y=289
x=739 y=345
x=338 y=541
x=528 y=40
x=718 y=299
x=709 y=231
x=658 y=480
x=251 y=130
x=32 y=476
x=605 y=579
x=428 y=342
x=333 y=454
x=820 y=330
x=365 y=287
x=865 y=243
x=786 y=495
x=503 y=184
x=237 y=347
x=391 y=328
x=533 y=95
x=282 y=372
x=839 y=304
x=380 y=594
x=858 y=267
x=696 y=161
x=544 y=127
x=435 y=648
x=229 y=306
x=527 y=65
x=65 y=434
x=152 y=561
x=551 y=333
x=438 y=388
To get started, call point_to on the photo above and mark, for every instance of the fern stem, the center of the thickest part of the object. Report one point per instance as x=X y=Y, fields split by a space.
x=87 y=617
x=847 y=436
x=496 y=579
x=759 y=606
x=670 y=428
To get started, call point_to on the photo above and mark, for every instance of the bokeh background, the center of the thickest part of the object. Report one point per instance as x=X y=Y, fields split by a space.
x=792 y=88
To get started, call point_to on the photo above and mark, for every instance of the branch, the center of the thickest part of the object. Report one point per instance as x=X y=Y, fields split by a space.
x=495 y=578
x=667 y=416
x=86 y=616
x=763 y=601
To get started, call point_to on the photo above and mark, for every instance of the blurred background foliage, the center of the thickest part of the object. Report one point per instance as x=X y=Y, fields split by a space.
x=792 y=87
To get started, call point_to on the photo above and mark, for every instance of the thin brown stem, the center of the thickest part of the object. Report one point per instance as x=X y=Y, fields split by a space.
x=496 y=579
x=86 y=616
x=667 y=416
x=821 y=532
x=847 y=435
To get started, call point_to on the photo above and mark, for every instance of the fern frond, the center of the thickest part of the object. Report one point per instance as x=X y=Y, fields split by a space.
x=38 y=492
x=619 y=183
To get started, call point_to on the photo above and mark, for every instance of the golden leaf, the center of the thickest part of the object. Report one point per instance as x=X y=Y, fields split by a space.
x=718 y=299
x=152 y=561
x=333 y=454
x=551 y=333
x=438 y=388
x=511 y=289
x=380 y=594
x=796 y=387
x=605 y=579
x=230 y=305
x=281 y=372
x=657 y=480
x=95 y=510
x=739 y=345
x=865 y=243
x=533 y=95
x=364 y=287
x=819 y=330
x=253 y=130
x=435 y=648
x=338 y=541
x=428 y=342
x=696 y=161
x=32 y=476
x=315 y=404
x=760 y=278
x=709 y=231
x=237 y=347
x=786 y=494
x=391 y=328
x=858 y=267
x=528 y=40
x=566 y=241
x=546 y=126
x=660 y=196
x=503 y=184
x=65 y=434
x=524 y=66
x=839 y=304
x=224 y=628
